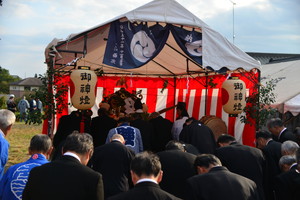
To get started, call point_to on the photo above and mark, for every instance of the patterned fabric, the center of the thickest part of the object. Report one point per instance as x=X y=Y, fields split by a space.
x=14 y=180
x=132 y=137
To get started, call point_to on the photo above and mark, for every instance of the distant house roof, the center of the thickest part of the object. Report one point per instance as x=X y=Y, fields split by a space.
x=266 y=58
x=28 y=82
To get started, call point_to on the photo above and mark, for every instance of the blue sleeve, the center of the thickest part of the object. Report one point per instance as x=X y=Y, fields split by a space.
x=4 y=145
x=3 y=183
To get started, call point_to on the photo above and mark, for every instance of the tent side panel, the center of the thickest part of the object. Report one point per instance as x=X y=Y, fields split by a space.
x=191 y=91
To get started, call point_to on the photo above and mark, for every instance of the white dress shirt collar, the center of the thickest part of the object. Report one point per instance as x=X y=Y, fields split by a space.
x=73 y=155
x=146 y=180
x=281 y=132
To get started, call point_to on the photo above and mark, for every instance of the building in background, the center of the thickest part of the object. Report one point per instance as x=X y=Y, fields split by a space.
x=22 y=87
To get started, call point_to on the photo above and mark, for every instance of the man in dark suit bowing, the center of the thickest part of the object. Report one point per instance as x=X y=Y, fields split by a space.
x=280 y=133
x=243 y=160
x=287 y=184
x=113 y=160
x=272 y=152
x=101 y=125
x=216 y=182
x=67 y=177
x=146 y=174
x=177 y=166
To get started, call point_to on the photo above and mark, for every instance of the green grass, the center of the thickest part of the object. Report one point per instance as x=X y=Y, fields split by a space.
x=19 y=138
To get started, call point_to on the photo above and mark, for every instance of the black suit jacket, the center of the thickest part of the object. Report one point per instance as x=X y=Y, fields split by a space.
x=200 y=136
x=219 y=183
x=272 y=154
x=144 y=191
x=177 y=167
x=100 y=127
x=287 y=185
x=246 y=161
x=161 y=133
x=67 y=124
x=146 y=130
x=112 y=160
x=63 y=179
x=287 y=135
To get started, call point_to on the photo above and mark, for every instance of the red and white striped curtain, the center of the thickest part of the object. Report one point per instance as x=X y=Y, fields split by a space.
x=200 y=100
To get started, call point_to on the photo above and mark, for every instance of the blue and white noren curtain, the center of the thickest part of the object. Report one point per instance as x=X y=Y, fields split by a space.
x=189 y=41
x=131 y=46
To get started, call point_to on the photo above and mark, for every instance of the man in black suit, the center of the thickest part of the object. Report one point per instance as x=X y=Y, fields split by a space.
x=145 y=128
x=177 y=166
x=272 y=152
x=287 y=163
x=67 y=124
x=287 y=184
x=217 y=182
x=161 y=132
x=280 y=133
x=113 y=160
x=67 y=177
x=243 y=160
x=146 y=173
x=200 y=136
x=100 y=127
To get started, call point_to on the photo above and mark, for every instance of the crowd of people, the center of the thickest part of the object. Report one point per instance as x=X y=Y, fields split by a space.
x=26 y=108
x=137 y=158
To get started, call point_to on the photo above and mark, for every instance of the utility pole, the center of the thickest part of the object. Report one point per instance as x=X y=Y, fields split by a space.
x=233 y=34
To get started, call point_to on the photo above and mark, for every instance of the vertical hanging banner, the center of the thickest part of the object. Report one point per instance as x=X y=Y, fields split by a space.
x=189 y=41
x=83 y=88
x=130 y=45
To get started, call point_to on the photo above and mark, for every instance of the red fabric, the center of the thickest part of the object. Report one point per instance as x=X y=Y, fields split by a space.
x=155 y=85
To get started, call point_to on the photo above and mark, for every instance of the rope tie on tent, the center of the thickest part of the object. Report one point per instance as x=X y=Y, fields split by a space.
x=228 y=76
x=131 y=79
x=128 y=24
x=187 y=84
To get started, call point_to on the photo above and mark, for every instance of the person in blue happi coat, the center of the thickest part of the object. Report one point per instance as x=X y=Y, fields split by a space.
x=15 y=178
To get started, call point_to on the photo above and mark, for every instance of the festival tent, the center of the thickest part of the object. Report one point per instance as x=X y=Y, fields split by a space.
x=287 y=91
x=167 y=53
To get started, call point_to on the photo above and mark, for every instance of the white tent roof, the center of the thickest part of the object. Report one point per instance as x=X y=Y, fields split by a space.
x=287 y=89
x=217 y=53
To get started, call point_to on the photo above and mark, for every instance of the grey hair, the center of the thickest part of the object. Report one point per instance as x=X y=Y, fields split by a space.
x=40 y=143
x=7 y=118
x=287 y=160
x=80 y=143
x=289 y=147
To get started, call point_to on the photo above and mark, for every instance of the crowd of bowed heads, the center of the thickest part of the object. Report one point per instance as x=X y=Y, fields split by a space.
x=136 y=158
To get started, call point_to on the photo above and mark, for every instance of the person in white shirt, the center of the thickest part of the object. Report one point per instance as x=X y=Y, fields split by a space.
x=180 y=120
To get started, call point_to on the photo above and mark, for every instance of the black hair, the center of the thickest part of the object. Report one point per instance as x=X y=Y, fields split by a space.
x=263 y=134
x=225 y=138
x=124 y=120
x=174 y=145
x=275 y=122
x=205 y=160
x=182 y=107
x=146 y=163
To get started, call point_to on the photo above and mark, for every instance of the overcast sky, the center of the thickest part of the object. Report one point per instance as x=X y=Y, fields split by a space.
x=27 y=26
